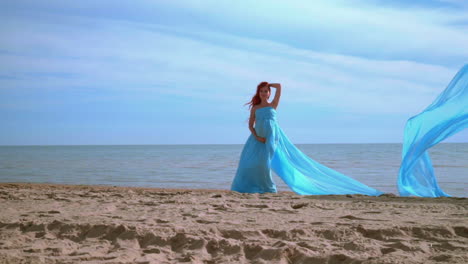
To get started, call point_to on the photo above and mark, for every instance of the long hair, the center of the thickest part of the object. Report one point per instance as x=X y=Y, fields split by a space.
x=256 y=98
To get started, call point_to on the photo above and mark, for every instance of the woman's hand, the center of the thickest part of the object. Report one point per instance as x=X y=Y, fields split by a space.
x=261 y=139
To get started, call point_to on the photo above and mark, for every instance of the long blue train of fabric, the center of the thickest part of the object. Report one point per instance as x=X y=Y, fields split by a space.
x=447 y=115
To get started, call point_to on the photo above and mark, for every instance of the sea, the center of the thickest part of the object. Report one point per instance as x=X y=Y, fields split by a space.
x=214 y=166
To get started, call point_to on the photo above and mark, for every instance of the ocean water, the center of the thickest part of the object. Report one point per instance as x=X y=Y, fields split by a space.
x=213 y=166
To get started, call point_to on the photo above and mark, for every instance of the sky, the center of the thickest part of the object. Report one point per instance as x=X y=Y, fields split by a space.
x=179 y=72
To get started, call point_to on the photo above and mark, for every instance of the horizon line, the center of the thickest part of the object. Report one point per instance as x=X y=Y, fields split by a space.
x=200 y=144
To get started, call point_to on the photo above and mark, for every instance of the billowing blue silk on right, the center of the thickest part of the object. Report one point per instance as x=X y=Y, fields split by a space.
x=302 y=174
x=447 y=115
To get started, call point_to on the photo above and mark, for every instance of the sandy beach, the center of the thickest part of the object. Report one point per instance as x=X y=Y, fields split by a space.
x=45 y=223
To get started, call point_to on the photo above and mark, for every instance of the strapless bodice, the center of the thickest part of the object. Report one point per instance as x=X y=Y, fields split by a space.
x=265 y=113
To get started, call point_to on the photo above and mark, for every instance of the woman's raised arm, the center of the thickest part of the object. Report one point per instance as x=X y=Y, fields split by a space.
x=276 y=100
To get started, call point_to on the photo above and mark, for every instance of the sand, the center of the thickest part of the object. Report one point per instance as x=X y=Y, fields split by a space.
x=44 y=223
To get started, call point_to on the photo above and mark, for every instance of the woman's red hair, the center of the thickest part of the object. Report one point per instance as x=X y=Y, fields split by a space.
x=256 y=98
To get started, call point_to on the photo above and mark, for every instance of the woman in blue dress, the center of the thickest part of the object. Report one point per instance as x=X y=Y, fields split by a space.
x=268 y=148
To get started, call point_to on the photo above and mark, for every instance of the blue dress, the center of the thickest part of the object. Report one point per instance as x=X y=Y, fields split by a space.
x=302 y=174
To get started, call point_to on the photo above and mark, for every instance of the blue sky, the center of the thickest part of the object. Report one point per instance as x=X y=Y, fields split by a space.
x=179 y=72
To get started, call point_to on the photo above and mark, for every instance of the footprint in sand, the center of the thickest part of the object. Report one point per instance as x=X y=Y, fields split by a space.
x=203 y=221
x=299 y=205
x=256 y=206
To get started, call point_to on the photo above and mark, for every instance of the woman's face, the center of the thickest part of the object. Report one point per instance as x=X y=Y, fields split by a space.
x=264 y=92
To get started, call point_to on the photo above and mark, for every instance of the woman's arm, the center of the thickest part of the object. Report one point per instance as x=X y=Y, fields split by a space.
x=276 y=100
x=252 y=121
x=251 y=125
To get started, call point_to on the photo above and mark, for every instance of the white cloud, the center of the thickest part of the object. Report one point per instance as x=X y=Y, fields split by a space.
x=347 y=27
x=139 y=57
x=360 y=62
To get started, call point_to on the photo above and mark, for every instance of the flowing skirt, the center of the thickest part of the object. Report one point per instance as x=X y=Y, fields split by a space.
x=302 y=174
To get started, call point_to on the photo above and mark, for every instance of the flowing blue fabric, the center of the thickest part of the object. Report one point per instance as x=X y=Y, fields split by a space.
x=302 y=174
x=447 y=115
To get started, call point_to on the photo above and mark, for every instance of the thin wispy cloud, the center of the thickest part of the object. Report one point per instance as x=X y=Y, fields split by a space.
x=337 y=59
